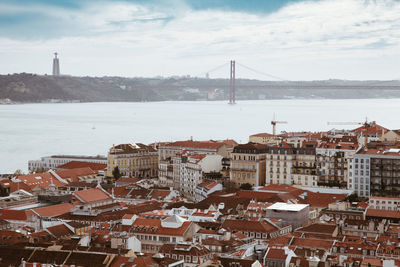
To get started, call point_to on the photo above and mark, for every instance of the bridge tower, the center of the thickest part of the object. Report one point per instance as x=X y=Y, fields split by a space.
x=232 y=97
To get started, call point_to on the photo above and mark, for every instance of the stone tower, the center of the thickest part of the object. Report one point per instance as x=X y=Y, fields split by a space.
x=56 y=65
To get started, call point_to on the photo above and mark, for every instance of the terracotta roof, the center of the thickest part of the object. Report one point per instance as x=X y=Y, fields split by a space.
x=92 y=195
x=83 y=164
x=54 y=210
x=256 y=195
x=42 y=180
x=387 y=214
x=312 y=243
x=59 y=231
x=318 y=228
x=196 y=144
x=382 y=152
x=73 y=175
x=146 y=226
x=374 y=129
x=276 y=253
x=249 y=226
x=15 y=215
x=159 y=194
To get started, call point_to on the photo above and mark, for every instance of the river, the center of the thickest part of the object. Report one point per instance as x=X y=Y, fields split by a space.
x=29 y=131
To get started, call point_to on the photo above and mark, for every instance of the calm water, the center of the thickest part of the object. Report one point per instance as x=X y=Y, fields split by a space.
x=33 y=130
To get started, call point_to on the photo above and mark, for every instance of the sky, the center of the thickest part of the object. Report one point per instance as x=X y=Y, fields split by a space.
x=292 y=40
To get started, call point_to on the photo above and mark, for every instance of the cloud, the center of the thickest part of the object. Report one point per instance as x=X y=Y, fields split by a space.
x=299 y=40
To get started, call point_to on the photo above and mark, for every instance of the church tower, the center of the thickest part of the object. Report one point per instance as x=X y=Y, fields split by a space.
x=56 y=65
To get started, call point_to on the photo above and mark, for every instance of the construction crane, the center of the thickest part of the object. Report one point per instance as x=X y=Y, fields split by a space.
x=274 y=122
x=364 y=124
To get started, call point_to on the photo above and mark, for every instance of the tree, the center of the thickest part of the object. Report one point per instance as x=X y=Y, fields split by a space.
x=352 y=198
x=18 y=173
x=246 y=186
x=116 y=173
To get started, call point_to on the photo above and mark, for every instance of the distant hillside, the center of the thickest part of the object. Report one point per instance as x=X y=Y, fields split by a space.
x=37 y=88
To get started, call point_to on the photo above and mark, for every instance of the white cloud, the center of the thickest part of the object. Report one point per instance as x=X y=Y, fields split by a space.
x=351 y=39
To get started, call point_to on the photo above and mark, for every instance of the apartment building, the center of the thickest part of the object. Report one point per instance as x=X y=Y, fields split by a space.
x=376 y=172
x=248 y=164
x=333 y=161
x=289 y=165
x=192 y=167
x=137 y=160
x=384 y=203
x=169 y=157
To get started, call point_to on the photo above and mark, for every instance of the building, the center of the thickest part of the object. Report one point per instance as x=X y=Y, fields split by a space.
x=376 y=172
x=204 y=189
x=56 y=65
x=333 y=161
x=264 y=138
x=292 y=165
x=191 y=169
x=248 y=164
x=135 y=160
x=295 y=215
x=153 y=233
x=343 y=210
x=192 y=255
x=384 y=203
x=169 y=156
x=52 y=162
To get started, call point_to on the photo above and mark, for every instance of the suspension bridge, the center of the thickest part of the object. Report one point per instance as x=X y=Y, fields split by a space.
x=290 y=84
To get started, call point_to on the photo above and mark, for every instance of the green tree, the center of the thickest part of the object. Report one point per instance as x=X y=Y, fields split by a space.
x=246 y=186
x=116 y=173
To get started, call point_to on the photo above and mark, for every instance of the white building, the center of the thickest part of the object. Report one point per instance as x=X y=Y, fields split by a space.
x=384 y=203
x=204 y=189
x=191 y=169
x=51 y=162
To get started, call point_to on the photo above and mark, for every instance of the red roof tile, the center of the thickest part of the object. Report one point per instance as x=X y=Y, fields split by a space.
x=92 y=195
x=83 y=164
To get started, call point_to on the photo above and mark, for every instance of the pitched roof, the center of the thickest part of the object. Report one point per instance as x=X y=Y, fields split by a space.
x=73 y=175
x=83 y=164
x=388 y=214
x=40 y=179
x=92 y=195
x=196 y=144
x=249 y=226
x=54 y=210
x=59 y=231
x=276 y=253
x=153 y=226
x=318 y=228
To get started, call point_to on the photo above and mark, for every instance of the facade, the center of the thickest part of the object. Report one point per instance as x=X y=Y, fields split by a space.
x=333 y=162
x=384 y=203
x=248 y=164
x=205 y=189
x=137 y=160
x=52 y=162
x=376 y=172
x=191 y=169
x=294 y=214
x=192 y=255
x=263 y=138
x=169 y=157
x=292 y=166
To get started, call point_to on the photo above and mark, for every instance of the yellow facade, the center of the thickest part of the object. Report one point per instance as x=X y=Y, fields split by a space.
x=133 y=160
